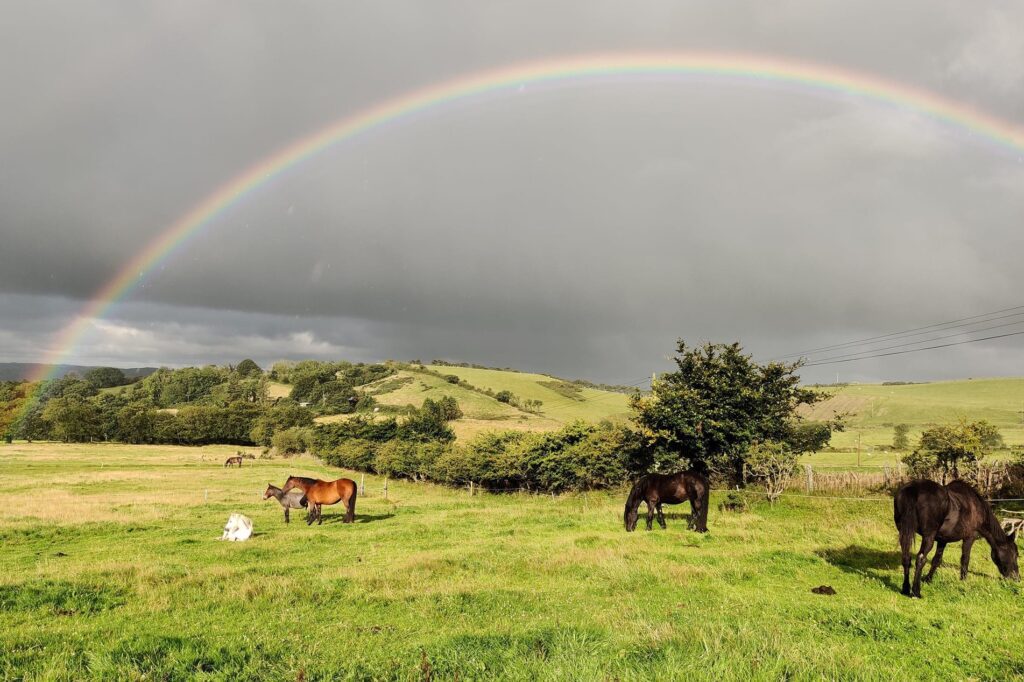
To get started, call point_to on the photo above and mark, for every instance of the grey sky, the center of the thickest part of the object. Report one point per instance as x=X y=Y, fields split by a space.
x=577 y=231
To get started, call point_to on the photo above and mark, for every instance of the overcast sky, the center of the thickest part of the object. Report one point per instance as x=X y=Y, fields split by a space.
x=577 y=231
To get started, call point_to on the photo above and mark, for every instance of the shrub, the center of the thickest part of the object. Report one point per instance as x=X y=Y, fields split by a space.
x=352 y=454
x=955 y=447
x=772 y=463
x=901 y=436
x=452 y=378
x=504 y=396
x=291 y=441
x=734 y=502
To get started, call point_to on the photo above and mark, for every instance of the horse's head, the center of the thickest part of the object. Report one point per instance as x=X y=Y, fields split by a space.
x=290 y=483
x=1004 y=556
x=269 y=492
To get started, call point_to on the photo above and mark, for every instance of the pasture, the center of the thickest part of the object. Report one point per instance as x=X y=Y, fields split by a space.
x=111 y=569
x=875 y=408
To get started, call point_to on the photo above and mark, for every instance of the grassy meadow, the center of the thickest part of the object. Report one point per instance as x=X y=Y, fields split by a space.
x=875 y=408
x=111 y=569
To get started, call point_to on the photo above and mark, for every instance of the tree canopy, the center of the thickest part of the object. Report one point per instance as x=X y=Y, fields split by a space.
x=719 y=402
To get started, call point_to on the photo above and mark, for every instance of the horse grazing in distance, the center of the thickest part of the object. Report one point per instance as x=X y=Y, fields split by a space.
x=941 y=514
x=658 y=489
x=295 y=499
x=237 y=459
x=325 y=492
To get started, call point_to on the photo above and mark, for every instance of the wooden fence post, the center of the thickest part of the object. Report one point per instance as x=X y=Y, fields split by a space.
x=810 y=478
x=362 y=485
x=385 y=487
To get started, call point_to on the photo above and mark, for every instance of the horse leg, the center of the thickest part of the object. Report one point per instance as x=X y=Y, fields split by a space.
x=350 y=507
x=940 y=547
x=965 y=557
x=650 y=514
x=922 y=557
x=319 y=516
x=311 y=514
x=661 y=516
x=286 y=520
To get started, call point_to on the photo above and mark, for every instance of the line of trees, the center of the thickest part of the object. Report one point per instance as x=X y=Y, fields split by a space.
x=711 y=413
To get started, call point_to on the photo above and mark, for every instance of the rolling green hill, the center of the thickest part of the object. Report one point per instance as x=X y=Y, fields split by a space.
x=562 y=401
x=875 y=408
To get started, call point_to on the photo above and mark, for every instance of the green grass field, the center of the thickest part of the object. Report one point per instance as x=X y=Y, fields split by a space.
x=111 y=569
x=874 y=409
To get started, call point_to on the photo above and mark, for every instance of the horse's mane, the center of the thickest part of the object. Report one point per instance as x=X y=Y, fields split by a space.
x=992 y=523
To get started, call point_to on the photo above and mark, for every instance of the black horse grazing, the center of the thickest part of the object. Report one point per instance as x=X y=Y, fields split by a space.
x=658 y=489
x=944 y=514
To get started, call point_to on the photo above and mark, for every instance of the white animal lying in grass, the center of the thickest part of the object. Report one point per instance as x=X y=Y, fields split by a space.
x=237 y=529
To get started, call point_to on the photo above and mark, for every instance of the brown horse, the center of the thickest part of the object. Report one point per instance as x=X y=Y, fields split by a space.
x=942 y=514
x=325 y=492
x=658 y=489
x=237 y=459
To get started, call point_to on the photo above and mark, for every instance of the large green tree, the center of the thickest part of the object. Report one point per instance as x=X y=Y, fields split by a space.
x=719 y=402
x=73 y=419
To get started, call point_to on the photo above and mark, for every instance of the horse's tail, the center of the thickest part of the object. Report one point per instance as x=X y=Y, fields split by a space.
x=904 y=514
x=350 y=513
x=704 y=501
x=636 y=496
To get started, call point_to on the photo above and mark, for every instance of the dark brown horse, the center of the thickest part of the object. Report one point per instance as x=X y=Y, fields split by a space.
x=941 y=514
x=237 y=459
x=658 y=489
x=325 y=492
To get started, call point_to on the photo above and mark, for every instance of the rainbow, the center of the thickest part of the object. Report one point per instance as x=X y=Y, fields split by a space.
x=816 y=78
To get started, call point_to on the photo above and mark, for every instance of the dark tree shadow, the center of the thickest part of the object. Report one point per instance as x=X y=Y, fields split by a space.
x=877 y=564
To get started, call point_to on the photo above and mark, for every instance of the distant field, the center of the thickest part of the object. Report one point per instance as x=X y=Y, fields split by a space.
x=875 y=409
x=481 y=412
x=278 y=390
x=593 y=405
x=111 y=569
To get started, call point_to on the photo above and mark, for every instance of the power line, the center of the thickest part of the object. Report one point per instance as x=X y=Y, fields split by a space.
x=932 y=327
x=914 y=343
x=915 y=350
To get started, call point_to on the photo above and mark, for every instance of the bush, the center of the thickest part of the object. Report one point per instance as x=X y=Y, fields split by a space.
x=773 y=464
x=921 y=464
x=504 y=396
x=452 y=378
x=406 y=459
x=351 y=454
x=291 y=441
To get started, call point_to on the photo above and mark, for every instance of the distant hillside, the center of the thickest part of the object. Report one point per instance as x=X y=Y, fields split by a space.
x=19 y=371
x=562 y=401
x=875 y=408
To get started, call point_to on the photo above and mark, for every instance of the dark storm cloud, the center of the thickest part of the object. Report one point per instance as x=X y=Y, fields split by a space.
x=577 y=231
